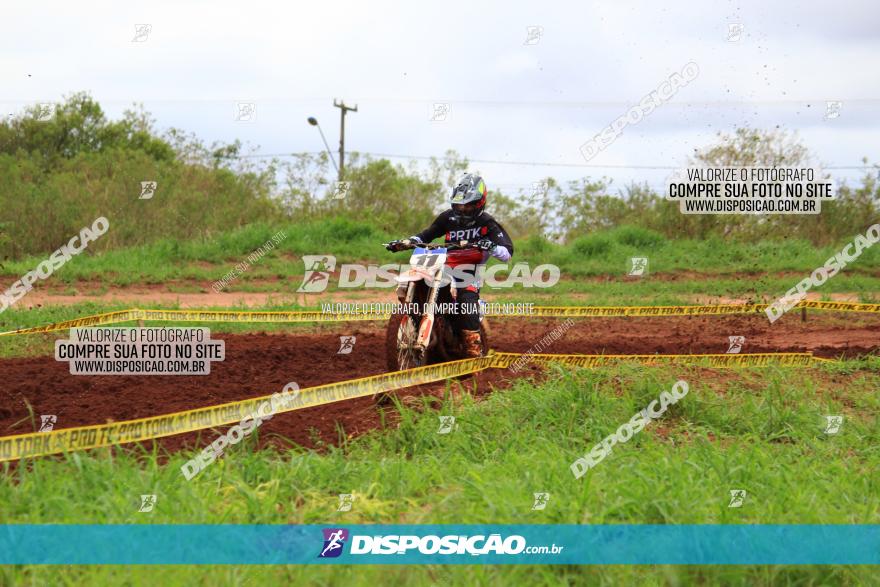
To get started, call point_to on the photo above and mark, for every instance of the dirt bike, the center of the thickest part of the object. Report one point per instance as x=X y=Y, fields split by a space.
x=421 y=336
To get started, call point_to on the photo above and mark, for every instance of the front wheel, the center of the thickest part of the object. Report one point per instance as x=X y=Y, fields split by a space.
x=400 y=349
x=400 y=343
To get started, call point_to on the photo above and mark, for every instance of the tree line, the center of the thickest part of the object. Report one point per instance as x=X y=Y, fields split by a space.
x=63 y=169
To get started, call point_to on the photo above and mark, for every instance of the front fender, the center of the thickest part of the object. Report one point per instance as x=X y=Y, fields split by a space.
x=411 y=275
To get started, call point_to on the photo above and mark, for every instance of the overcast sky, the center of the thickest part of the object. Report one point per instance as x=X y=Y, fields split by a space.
x=509 y=98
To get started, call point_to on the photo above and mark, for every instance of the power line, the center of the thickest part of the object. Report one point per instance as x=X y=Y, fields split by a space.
x=472 y=102
x=618 y=103
x=521 y=163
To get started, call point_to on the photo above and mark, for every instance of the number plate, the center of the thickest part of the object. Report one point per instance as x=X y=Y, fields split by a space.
x=428 y=258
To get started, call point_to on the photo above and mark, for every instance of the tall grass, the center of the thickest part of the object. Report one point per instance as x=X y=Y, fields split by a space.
x=42 y=209
x=603 y=252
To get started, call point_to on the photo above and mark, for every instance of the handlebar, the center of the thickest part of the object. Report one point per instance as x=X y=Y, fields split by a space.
x=460 y=245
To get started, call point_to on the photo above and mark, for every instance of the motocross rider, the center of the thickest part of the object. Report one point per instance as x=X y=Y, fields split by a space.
x=466 y=220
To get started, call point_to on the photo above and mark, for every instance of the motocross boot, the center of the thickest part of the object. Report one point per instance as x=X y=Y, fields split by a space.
x=471 y=343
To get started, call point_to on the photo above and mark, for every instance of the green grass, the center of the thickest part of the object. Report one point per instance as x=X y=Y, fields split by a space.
x=754 y=429
x=653 y=292
x=601 y=253
x=405 y=575
x=593 y=270
x=172 y=259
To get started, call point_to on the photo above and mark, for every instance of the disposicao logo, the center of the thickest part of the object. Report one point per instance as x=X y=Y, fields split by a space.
x=334 y=541
x=433 y=544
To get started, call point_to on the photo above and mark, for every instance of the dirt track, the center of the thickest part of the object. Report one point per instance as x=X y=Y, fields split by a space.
x=260 y=364
x=188 y=293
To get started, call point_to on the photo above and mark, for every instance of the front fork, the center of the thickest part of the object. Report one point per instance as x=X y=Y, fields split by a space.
x=405 y=296
x=427 y=323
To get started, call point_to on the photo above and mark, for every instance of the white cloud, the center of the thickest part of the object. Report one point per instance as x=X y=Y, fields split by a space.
x=508 y=100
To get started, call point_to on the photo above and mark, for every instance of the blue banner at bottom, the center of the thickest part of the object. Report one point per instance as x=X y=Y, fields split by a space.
x=441 y=544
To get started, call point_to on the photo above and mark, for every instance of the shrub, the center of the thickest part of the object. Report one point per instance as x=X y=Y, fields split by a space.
x=593 y=245
x=638 y=237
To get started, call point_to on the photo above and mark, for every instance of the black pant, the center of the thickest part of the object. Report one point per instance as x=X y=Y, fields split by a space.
x=467 y=308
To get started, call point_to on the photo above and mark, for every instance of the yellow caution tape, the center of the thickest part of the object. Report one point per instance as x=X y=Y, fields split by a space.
x=600 y=311
x=196 y=316
x=707 y=310
x=839 y=306
x=319 y=316
x=96 y=320
x=517 y=361
x=104 y=435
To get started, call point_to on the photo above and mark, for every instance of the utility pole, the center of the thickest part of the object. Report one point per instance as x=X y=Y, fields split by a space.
x=343 y=109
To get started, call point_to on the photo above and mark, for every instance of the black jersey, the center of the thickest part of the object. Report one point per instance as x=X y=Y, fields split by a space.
x=484 y=227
